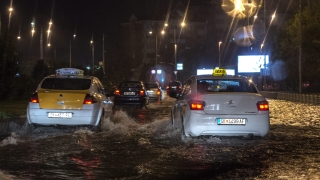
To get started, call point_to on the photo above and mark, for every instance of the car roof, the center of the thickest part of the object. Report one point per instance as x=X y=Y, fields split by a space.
x=130 y=82
x=209 y=76
x=71 y=77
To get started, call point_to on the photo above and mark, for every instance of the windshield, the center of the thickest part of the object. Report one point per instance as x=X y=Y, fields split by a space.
x=130 y=85
x=151 y=85
x=66 y=84
x=225 y=85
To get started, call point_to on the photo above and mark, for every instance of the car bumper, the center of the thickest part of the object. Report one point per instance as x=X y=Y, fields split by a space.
x=200 y=124
x=89 y=116
x=129 y=100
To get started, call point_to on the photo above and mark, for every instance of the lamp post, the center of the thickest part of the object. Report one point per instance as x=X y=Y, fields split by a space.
x=92 y=47
x=219 y=52
x=156 y=50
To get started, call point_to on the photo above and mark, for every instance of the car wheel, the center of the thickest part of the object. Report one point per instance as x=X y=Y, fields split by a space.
x=172 y=118
x=97 y=128
x=30 y=128
x=183 y=133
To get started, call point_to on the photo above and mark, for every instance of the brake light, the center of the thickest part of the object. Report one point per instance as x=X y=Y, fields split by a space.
x=197 y=105
x=34 y=98
x=142 y=92
x=89 y=99
x=158 y=92
x=263 y=105
x=117 y=92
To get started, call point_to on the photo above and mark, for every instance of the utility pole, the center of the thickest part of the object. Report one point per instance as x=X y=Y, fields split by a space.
x=300 y=48
x=70 y=55
x=103 y=54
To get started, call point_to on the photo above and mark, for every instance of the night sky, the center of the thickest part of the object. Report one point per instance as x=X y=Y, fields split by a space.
x=85 y=18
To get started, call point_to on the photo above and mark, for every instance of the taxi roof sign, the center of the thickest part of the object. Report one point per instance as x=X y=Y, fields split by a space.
x=69 y=72
x=219 y=72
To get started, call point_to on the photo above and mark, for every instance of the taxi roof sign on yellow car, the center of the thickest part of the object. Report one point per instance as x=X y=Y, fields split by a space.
x=69 y=72
x=219 y=72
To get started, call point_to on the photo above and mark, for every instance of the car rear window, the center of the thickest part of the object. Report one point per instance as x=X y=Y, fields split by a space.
x=130 y=84
x=174 y=84
x=225 y=85
x=151 y=85
x=66 y=84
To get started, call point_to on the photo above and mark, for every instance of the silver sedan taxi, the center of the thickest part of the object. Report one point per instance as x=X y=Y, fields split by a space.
x=69 y=98
x=220 y=105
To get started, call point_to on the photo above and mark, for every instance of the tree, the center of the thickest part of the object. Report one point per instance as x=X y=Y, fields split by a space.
x=9 y=65
x=288 y=42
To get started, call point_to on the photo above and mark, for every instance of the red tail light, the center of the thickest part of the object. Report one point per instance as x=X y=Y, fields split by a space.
x=34 y=98
x=142 y=92
x=117 y=92
x=158 y=92
x=263 y=105
x=197 y=105
x=89 y=99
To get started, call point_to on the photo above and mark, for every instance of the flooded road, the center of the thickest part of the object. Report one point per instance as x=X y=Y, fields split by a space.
x=141 y=144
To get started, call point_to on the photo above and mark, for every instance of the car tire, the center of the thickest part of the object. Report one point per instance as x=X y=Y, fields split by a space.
x=30 y=128
x=183 y=133
x=98 y=128
x=172 y=118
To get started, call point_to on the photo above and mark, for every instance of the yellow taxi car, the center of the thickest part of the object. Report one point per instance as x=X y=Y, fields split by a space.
x=69 y=98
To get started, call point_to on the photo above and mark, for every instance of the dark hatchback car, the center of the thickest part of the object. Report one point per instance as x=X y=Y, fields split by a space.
x=132 y=93
x=174 y=88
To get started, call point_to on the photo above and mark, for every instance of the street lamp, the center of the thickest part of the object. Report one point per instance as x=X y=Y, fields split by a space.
x=92 y=47
x=219 y=52
x=162 y=33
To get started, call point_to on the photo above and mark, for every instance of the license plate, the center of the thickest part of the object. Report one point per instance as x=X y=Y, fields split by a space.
x=231 y=121
x=59 y=115
x=129 y=93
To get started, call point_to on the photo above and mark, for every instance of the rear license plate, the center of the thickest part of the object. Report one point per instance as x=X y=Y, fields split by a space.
x=129 y=93
x=231 y=121
x=59 y=115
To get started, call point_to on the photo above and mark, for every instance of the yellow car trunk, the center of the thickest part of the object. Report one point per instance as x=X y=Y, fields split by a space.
x=61 y=99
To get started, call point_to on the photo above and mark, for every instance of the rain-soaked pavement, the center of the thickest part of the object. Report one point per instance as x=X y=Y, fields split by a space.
x=141 y=144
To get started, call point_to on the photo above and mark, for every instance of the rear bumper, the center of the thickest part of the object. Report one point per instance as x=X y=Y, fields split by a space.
x=129 y=100
x=79 y=116
x=203 y=124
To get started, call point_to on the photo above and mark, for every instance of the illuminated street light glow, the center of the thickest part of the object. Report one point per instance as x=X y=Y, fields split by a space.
x=33 y=31
x=240 y=8
x=10 y=9
x=162 y=32
x=183 y=24
x=49 y=44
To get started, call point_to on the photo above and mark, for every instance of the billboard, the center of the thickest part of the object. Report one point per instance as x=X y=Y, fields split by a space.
x=252 y=63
